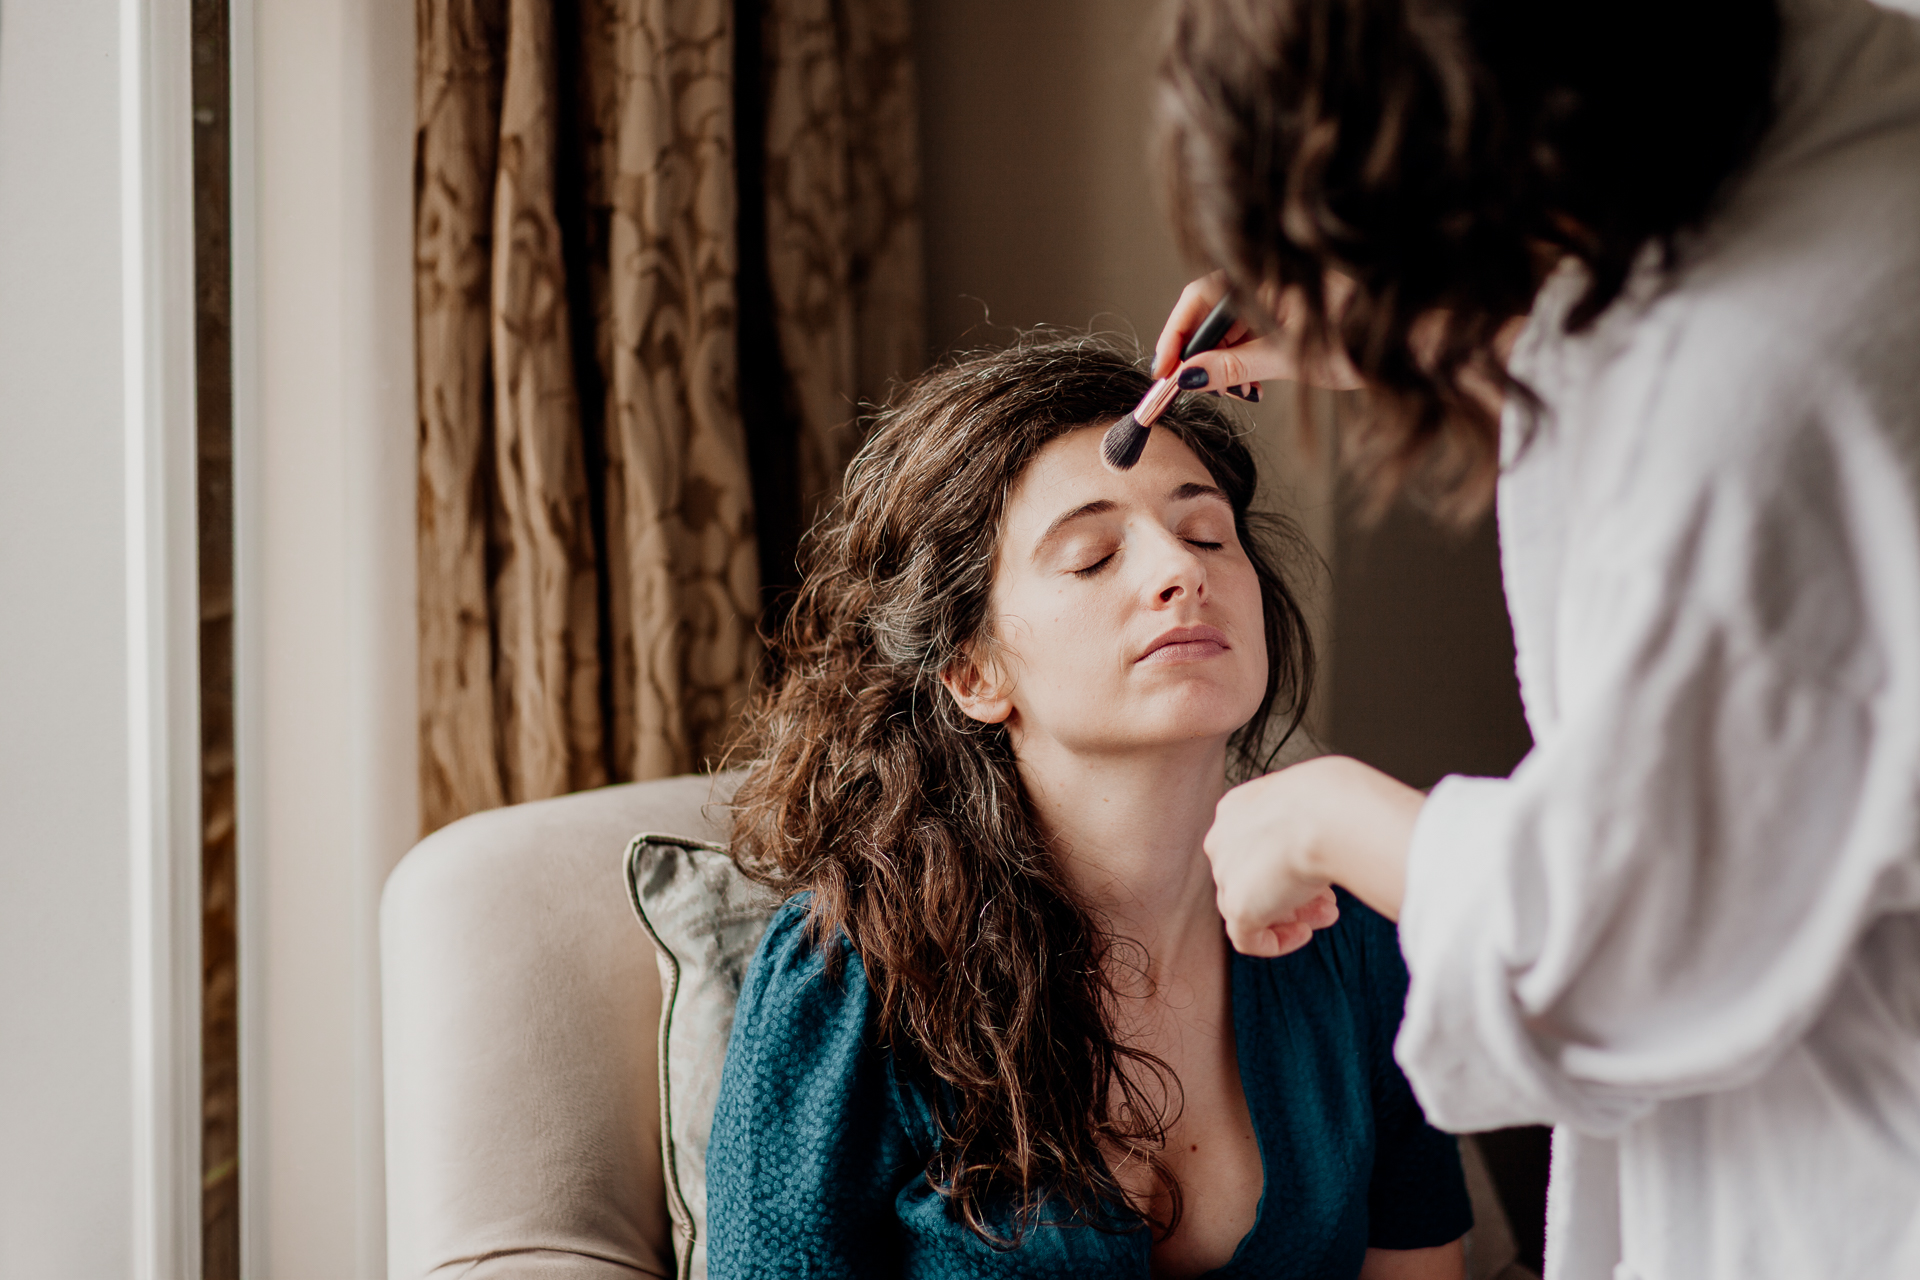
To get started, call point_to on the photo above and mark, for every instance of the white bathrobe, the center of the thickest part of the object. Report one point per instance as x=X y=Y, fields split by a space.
x=1687 y=930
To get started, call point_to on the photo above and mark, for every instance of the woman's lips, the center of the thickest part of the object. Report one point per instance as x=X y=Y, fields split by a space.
x=1186 y=644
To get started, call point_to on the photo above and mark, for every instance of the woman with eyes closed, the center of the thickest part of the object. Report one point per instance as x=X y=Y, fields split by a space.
x=997 y=1029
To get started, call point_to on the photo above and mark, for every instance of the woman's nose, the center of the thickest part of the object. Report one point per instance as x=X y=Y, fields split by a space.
x=1178 y=570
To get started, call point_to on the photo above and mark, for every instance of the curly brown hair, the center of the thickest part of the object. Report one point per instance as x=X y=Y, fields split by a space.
x=907 y=821
x=1443 y=154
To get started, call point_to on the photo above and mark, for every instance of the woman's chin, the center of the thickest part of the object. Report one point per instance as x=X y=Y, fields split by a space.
x=1175 y=724
x=1172 y=716
x=1204 y=703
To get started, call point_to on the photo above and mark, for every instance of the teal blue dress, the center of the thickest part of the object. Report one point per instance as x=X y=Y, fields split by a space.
x=815 y=1166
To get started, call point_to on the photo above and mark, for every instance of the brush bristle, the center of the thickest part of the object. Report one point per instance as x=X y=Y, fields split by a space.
x=1124 y=442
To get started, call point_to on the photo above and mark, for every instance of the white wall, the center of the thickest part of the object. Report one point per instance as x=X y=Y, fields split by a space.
x=65 y=1113
x=326 y=644
x=98 y=758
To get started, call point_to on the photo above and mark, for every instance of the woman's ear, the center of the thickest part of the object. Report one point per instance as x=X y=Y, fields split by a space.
x=979 y=687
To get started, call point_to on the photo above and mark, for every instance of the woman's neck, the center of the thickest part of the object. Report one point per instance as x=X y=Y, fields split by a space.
x=1128 y=831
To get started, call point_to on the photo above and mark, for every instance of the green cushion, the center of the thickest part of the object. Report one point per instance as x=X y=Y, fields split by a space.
x=705 y=919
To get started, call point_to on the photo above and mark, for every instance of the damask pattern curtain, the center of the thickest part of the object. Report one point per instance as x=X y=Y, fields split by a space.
x=663 y=250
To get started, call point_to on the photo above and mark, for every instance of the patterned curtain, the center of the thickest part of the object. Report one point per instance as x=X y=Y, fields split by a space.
x=663 y=249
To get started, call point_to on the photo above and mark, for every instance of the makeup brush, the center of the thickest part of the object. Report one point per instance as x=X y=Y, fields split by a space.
x=1125 y=439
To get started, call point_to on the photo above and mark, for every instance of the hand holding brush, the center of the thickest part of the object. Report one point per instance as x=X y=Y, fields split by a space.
x=1127 y=438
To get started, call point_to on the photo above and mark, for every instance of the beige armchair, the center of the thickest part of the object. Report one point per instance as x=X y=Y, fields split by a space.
x=521 y=1010
x=521 y=1014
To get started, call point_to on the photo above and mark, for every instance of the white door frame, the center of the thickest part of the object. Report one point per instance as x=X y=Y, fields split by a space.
x=163 y=617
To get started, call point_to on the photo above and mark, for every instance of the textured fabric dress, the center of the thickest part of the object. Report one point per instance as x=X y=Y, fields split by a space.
x=815 y=1167
x=1687 y=929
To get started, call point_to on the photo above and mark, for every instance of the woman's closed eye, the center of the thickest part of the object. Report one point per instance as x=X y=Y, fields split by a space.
x=1093 y=560
x=1096 y=566
x=1205 y=529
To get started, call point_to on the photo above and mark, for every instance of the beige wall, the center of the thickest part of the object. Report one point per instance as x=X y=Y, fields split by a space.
x=1425 y=685
x=1038 y=204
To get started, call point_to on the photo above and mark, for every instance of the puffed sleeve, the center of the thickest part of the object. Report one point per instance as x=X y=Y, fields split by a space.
x=807 y=1151
x=1417 y=1194
x=1661 y=898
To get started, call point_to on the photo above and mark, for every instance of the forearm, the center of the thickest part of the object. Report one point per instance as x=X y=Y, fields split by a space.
x=1364 y=828
x=1279 y=840
x=1442 y=1262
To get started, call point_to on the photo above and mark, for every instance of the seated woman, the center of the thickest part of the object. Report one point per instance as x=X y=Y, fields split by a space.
x=997 y=1028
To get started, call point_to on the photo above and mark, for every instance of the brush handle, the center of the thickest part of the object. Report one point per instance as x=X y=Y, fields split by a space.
x=1211 y=330
x=1125 y=439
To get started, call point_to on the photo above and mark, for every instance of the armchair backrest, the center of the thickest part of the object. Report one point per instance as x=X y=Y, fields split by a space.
x=521 y=1004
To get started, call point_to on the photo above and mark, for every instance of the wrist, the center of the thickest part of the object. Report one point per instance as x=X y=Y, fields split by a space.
x=1335 y=800
x=1361 y=825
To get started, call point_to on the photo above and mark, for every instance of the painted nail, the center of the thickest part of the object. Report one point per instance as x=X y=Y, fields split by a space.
x=1193 y=379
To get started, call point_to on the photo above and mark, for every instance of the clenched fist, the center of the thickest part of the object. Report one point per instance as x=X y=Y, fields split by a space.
x=1279 y=843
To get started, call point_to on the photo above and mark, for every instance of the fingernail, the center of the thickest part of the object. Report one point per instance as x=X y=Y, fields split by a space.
x=1193 y=379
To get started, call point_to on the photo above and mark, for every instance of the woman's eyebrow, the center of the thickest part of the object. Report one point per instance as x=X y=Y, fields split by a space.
x=1190 y=490
x=1099 y=506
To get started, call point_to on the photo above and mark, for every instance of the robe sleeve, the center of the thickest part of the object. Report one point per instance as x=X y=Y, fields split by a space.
x=1660 y=900
x=807 y=1153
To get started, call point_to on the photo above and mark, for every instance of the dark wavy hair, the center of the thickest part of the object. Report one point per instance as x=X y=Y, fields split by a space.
x=907 y=821
x=1443 y=154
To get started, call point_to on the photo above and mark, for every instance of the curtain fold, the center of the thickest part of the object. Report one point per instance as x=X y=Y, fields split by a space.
x=544 y=598
x=462 y=52
x=679 y=506
x=843 y=231
x=590 y=556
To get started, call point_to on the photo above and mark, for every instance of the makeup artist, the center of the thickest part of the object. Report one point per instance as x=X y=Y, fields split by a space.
x=1647 y=275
